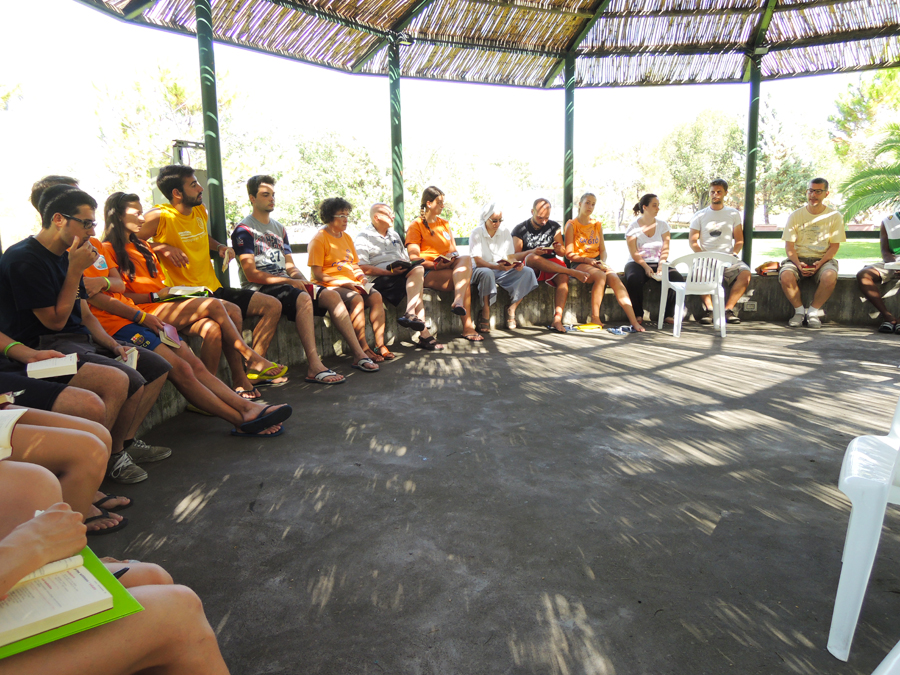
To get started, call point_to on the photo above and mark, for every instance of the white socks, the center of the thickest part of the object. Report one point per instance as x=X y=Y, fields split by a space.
x=800 y=310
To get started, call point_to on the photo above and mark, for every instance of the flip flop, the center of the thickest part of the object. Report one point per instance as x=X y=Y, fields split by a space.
x=473 y=337
x=388 y=355
x=429 y=344
x=254 y=394
x=627 y=329
x=235 y=432
x=264 y=421
x=109 y=530
x=106 y=497
x=458 y=310
x=265 y=375
x=887 y=327
x=411 y=322
x=319 y=378
x=568 y=329
x=359 y=365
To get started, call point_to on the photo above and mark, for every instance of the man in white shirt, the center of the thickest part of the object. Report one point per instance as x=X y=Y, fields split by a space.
x=719 y=228
x=812 y=236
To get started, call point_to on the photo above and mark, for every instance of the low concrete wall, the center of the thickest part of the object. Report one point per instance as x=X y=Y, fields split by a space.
x=846 y=306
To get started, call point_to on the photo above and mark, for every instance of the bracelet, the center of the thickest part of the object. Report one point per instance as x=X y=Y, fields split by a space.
x=143 y=316
x=137 y=315
x=108 y=285
x=10 y=346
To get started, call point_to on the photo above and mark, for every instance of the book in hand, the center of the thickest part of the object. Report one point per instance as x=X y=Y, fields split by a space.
x=131 y=358
x=61 y=599
x=403 y=265
x=62 y=365
x=182 y=292
x=169 y=336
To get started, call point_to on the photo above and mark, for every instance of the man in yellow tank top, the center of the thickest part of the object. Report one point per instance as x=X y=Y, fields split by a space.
x=180 y=237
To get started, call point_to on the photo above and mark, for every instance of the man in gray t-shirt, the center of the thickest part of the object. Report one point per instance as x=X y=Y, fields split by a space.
x=719 y=228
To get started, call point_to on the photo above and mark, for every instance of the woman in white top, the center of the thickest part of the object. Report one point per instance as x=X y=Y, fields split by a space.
x=648 y=244
x=493 y=251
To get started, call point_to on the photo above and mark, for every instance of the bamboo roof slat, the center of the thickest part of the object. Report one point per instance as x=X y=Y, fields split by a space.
x=524 y=42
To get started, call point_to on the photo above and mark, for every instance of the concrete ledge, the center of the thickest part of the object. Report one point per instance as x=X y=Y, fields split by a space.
x=846 y=306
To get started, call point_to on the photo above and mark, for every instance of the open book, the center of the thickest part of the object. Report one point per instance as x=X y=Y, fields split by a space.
x=182 y=292
x=68 y=597
x=62 y=365
x=131 y=358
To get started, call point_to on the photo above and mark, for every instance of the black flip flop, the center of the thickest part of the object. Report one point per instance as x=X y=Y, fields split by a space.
x=887 y=327
x=107 y=496
x=429 y=344
x=264 y=421
x=109 y=530
x=458 y=310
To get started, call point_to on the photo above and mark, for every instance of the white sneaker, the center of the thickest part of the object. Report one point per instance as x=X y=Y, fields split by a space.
x=812 y=318
x=797 y=320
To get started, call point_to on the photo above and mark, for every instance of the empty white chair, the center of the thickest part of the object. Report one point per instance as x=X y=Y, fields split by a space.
x=891 y=663
x=869 y=479
x=704 y=278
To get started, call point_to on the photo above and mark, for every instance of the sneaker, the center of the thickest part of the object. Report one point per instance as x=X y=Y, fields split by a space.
x=731 y=317
x=142 y=452
x=706 y=317
x=797 y=320
x=122 y=469
x=812 y=318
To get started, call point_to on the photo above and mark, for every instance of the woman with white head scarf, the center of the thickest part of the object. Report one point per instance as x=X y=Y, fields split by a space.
x=493 y=252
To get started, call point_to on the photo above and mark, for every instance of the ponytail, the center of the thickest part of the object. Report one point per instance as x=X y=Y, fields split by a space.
x=428 y=195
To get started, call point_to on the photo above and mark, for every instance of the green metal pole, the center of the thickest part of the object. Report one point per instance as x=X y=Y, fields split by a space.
x=752 y=155
x=216 y=200
x=569 y=160
x=396 y=136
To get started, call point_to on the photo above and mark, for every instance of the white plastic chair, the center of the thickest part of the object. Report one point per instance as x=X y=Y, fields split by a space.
x=869 y=479
x=891 y=663
x=704 y=278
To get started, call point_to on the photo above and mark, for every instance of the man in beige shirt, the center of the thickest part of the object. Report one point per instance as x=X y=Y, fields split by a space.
x=812 y=236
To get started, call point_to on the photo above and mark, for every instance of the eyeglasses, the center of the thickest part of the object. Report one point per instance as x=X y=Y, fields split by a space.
x=816 y=192
x=344 y=216
x=496 y=220
x=86 y=224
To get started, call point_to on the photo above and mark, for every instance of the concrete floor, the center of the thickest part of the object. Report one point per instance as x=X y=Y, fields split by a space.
x=539 y=504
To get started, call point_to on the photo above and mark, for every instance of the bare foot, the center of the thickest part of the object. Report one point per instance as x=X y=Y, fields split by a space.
x=377 y=358
x=669 y=320
x=110 y=502
x=102 y=523
x=558 y=326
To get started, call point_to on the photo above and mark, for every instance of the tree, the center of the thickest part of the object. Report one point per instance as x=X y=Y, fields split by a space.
x=879 y=185
x=781 y=175
x=712 y=146
x=863 y=107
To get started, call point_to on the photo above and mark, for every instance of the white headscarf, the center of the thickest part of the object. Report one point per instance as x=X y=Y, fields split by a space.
x=488 y=210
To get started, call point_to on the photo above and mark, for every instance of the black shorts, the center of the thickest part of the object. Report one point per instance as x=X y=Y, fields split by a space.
x=39 y=394
x=392 y=288
x=239 y=296
x=287 y=295
x=150 y=366
x=574 y=265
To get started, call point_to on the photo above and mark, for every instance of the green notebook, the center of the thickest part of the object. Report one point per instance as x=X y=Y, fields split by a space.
x=123 y=605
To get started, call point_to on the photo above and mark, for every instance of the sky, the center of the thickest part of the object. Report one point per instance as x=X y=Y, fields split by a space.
x=52 y=129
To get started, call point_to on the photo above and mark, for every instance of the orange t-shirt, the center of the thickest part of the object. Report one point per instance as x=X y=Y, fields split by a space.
x=106 y=259
x=431 y=244
x=143 y=282
x=587 y=239
x=336 y=256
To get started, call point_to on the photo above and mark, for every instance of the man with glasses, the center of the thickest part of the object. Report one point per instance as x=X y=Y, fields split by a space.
x=719 y=228
x=539 y=243
x=183 y=244
x=43 y=306
x=812 y=236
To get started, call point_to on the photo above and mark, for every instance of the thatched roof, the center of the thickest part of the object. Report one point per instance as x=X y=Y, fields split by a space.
x=525 y=42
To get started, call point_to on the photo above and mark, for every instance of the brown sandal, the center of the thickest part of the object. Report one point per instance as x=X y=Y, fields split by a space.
x=484 y=326
x=385 y=353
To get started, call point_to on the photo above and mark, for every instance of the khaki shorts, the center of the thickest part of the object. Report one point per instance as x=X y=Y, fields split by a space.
x=788 y=266
x=732 y=272
x=886 y=274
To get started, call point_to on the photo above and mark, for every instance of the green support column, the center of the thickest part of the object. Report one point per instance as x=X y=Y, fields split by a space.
x=752 y=155
x=211 y=137
x=396 y=136
x=569 y=157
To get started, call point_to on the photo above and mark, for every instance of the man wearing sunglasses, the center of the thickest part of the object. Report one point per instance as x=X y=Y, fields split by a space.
x=812 y=236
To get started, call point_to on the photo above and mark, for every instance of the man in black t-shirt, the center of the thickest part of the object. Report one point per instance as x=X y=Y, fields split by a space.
x=42 y=306
x=541 y=238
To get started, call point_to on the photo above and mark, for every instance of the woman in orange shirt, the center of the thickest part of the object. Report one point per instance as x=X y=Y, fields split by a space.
x=334 y=264
x=429 y=237
x=586 y=252
x=146 y=286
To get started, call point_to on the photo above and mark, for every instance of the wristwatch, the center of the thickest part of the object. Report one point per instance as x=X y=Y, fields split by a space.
x=154 y=297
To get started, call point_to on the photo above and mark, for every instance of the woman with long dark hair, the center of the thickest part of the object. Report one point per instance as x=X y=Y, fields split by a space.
x=429 y=237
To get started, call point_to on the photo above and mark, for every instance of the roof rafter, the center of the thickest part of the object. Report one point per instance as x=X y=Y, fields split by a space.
x=759 y=34
x=311 y=10
x=675 y=13
x=577 y=40
x=404 y=21
x=531 y=7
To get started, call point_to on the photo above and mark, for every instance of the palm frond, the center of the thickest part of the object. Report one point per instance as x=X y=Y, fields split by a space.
x=890 y=142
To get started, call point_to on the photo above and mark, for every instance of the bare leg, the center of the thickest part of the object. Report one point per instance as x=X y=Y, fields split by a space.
x=268 y=309
x=791 y=289
x=869 y=281
x=598 y=281
x=375 y=303
x=414 y=304
x=110 y=384
x=26 y=488
x=462 y=276
x=151 y=393
x=624 y=300
x=827 y=282
x=355 y=304
x=738 y=288
x=331 y=301
x=306 y=330
x=122 y=428
x=211 y=346
x=560 y=297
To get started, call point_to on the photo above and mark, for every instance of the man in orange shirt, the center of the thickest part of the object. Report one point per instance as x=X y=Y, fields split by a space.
x=183 y=243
